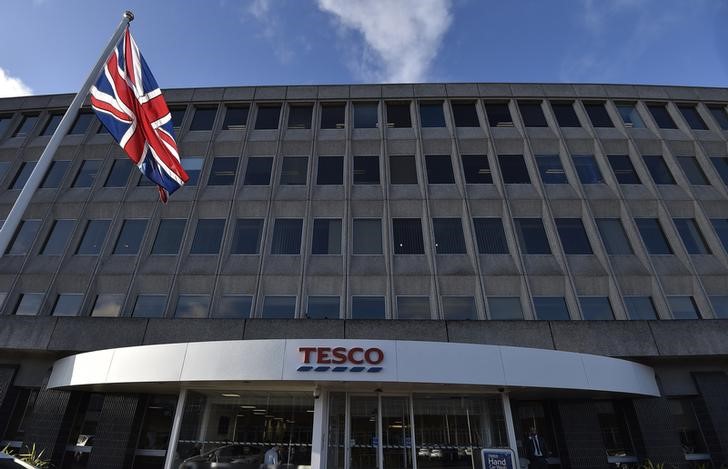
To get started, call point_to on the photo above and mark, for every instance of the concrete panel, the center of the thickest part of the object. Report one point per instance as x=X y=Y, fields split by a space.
x=612 y=338
x=24 y=332
x=397 y=330
x=706 y=337
x=535 y=334
x=166 y=331
x=82 y=334
x=294 y=329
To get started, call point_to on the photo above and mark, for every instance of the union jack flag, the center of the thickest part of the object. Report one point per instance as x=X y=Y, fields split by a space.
x=129 y=103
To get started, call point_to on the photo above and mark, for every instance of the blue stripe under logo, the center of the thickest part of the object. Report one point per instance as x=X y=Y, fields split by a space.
x=340 y=369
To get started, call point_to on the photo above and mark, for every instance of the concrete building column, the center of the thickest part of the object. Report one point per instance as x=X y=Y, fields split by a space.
x=584 y=447
x=115 y=440
x=7 y=373
x=660 y=438
x=713 y=388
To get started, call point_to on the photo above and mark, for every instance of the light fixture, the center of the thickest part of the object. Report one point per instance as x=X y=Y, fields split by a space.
x=247 y=407
x=310 y=411
x=230 y=394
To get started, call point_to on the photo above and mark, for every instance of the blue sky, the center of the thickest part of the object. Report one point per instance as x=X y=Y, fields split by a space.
x=48 y=46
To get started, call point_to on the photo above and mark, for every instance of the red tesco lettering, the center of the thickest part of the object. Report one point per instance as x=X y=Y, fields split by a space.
x=341 y=355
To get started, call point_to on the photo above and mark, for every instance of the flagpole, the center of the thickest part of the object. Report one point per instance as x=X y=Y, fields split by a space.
x=16 y=213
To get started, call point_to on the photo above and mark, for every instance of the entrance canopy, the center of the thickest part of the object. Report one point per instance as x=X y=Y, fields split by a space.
x=334 y=360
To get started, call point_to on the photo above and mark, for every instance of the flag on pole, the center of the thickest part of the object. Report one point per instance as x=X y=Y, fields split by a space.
x=129 y=103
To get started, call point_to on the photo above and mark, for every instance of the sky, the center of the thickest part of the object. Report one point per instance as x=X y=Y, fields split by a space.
x=49 y=46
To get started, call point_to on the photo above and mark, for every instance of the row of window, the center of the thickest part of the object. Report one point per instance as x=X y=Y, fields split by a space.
x=407 y=236
x=397 y=114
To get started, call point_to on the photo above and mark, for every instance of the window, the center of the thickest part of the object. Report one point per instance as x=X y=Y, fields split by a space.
x=407 y=236
x=192 y=306
x=299 y=116
x=565 y=114
x=82 y=123
x=93 y=237
x=4 y=165
x=490 y=236
x=551 y=308
x=587 y=169
x=236 y=118
x=367 y=307
x=333 y=115
x=169 y=236
x=685 y=420
x=721 y=228
x=294 y=171
x=439 y=169
x=26 y=125
x=246 y=238
x=87 y=174
x=323 y=307
x=653 y=236
x=662 y=116
x=287 y=236
x=573 y=237
x=149 y=306
x=720 y=306
x=24 y=237
x=459 y=308
x=465 y=115
x=692 y=117
x=683 y=307
x=54 y=176
x=640 y=308
x=476 y=169
x=598 y=115
x=449 y=237
x=326 y=236
x=119 y=174
x=367 y=236
x=258 y=171
x=223 y=171
x=5 y=120
x=505 y=308
x=623 y=169
x=68 y=304
x=551 y=170
x=279 y=307
x=178 y=115
x=613 y=236
x=51 y=124
x=233 y=307
x=23 y=174
x=498 y=114
x=513 y=169
x=268 y=116
x=431 y=114
x=366 y=169
x=720 y=115
x=193 y=167
x=658 y=169
x=208 y=236
x=692 y=170
x=532 y=114
x=330 y=171
x=402 y=169
x=130 y=238
x=413 y=307
x=630 y=115
x=58 y=238
x=366 y=116
x=596 y=308
x=29 y=304
x=398 y=115
x=721 y=166
x=532 y=236
x=204 y=118
x=691 y=236
x=108 y=305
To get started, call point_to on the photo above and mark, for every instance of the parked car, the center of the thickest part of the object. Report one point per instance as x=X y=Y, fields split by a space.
x=226 y=457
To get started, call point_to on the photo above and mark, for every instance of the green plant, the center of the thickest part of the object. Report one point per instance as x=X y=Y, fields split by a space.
x=7 y=450
x=34 y=457
x=648 y=464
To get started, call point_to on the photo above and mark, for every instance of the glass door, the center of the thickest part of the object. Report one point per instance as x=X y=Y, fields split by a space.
x=364 y=432
x=396 y=433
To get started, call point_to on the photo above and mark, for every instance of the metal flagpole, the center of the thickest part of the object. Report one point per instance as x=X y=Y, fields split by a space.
x=16 y=213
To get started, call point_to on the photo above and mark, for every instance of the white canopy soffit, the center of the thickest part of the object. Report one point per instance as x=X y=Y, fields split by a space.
x=330 y=360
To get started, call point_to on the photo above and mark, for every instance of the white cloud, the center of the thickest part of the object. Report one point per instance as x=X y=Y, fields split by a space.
x=11 y=86
x=271 y=28
x=402 y=37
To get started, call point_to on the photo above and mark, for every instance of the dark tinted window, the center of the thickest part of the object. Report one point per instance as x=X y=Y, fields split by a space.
x=367 y=307
x=58 y=238
x=5 y=120
x=169 y=236
x=119 y=174
x=692 y=170
x=52 y=124
x=513 y=169
x=449 y=237
x=490 y=236
x=587 y=169
x=505 y=308
x=236 y=118
x=246 y=239
x=398 y=115
x=623 y=169
x=178 y=115
x=691 y=236
x=367 y=234
x=130 y=238
x=366 y=169
x=333 y=116
x=279 y=307
x=223 y=171
x=640 y=308
x=402 y=169
x=565 y=114
x=29 y=304
x=573 y=236
x=465 y=114
x=258 y=171
x=413 y=307
x=720 y=115
x=596 y=308
x=658 y=169
x=68 y=304
x=83 y=122
x=613 y=236
x=4 y=166
x=365 y=115
x=720 y=305
x=268 y=116
x=439 y=169
x=93 y=237
x=208 y=236
x=549 y=166
x=407 y=236
x=662 y=116
x=598 y=115
x=233 y=306
x=87 y=174
x=294 y=171
x=476 y=169
x=23 y=174
x=108 y=305
x=532 y=236
x=24 y=237
x=630 y=115
x=54 y=176
x=204 y=118
x=26 y=126
x=192 y=306
x=459 y=308
x=323 y=307
x=721 y=228
x=683 y=307
x=551 y=308
x=326 y=236
x=721 y=166
x=149 y=306
x=287 y=236
x=330 y=170
x=532 y=114
x=193 y=167
x=498 y=115
x=653 y=236
x=431 y=114
x=299 y=116
x=690 y=113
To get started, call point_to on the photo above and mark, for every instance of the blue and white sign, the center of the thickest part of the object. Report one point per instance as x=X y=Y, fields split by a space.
x=498 y=458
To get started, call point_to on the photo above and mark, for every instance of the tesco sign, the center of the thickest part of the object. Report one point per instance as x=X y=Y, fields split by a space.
x=338 y=359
